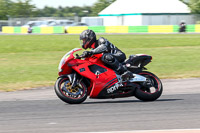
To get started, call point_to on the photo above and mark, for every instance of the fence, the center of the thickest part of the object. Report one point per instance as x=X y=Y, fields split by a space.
x=104 y=29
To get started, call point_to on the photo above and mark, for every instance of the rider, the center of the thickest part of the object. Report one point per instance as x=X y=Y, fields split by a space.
x=112 y=56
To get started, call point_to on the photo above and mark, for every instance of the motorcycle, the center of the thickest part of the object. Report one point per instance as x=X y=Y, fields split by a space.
x=80 y=77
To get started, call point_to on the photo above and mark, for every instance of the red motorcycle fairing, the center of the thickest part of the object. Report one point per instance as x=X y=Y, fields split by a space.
x=103 y=80
x=100 y=76
x=64 y=67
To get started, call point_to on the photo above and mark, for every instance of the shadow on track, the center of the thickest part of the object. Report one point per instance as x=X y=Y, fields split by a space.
x=129 y=101
x=164 y=100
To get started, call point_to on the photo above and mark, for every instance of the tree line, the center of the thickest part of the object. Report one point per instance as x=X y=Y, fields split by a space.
x=194 y=5
x=24 y=8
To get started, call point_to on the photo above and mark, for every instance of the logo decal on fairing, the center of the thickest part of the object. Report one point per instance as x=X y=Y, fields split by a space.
x=82 y=69
x=114 y=88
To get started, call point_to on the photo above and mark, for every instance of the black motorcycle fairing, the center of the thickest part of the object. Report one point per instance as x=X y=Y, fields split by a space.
x=136 y=63
x=96 y=69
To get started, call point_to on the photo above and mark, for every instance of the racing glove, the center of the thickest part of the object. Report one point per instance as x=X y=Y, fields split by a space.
x=87 y=53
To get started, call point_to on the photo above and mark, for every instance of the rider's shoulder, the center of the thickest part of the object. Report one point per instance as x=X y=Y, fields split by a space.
x=102 y=40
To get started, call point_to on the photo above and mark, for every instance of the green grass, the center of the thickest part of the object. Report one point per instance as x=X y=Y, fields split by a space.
x=28 y=61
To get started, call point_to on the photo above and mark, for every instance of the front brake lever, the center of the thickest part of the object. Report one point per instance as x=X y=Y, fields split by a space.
x=77 y=56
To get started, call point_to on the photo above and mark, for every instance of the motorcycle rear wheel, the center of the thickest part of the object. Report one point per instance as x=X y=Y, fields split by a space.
x=150 y=90
x=75 y=95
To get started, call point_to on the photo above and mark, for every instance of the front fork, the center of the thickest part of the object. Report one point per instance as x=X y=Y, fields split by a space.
x=73 y=78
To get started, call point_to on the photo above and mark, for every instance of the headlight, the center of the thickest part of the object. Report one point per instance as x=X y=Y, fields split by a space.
x=62 y=62
x=60 y=70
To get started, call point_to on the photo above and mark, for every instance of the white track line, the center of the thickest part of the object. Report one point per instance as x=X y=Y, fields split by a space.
x=152 y=131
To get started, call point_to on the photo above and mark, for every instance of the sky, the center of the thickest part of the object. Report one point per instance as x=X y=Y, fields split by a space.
x=56 y=3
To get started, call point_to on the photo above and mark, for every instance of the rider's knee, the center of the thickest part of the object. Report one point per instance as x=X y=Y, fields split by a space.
x=108 y=58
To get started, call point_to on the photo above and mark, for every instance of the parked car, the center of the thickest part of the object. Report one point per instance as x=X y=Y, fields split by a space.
x=68 y=23
x=64 y=23
x=31 y=24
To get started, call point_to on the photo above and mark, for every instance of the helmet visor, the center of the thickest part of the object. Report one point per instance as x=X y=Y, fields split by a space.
x=82 y=42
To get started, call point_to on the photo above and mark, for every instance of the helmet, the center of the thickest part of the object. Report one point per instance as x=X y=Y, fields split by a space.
x=87 y=38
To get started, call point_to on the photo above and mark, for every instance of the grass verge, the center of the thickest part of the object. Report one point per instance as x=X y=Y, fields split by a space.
x=28 y=61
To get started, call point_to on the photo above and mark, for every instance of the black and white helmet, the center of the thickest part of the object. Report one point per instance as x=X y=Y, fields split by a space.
x=87 y=38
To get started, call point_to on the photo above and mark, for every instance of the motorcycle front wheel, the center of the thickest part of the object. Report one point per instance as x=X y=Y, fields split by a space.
x=151 y=89
x=64 y=90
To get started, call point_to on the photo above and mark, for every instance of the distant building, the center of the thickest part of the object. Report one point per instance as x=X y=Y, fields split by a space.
x=147 y=12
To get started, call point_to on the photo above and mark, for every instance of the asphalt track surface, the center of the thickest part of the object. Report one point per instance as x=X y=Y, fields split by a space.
x=40 y=111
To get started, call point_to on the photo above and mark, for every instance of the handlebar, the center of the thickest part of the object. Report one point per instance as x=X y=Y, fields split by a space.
x=79 y=56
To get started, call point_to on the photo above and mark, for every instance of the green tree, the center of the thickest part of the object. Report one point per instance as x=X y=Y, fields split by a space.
x=194 y=5
x=22 y=8
x=99 y=6
x=48 y=11
x=5 y=6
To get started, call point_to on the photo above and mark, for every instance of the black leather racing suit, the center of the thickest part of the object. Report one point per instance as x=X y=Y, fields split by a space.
x=112 y=56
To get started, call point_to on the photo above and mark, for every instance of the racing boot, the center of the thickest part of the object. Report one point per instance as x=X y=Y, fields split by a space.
x=125 y=74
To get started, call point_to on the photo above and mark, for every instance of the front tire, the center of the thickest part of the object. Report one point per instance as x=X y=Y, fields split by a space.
x=150 y=90
x=75 y=95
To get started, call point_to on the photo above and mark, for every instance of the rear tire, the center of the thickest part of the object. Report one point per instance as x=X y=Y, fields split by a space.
x=150 y=90
x=67 y=94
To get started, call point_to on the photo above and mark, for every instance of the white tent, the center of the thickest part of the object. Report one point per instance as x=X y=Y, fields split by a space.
x=145 y=6
x=122 y=11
